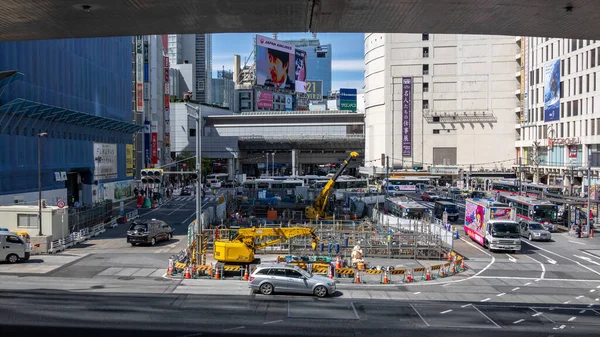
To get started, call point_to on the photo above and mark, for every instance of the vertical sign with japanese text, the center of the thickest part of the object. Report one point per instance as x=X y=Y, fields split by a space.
x=146 y=142
x=139 y=74
x=406 y=116
x=154 y=129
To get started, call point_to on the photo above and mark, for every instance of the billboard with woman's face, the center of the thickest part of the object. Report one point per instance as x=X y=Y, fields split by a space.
x=300 y=71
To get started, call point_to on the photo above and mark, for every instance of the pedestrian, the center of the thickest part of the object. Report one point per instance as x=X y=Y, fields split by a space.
x=578 y=231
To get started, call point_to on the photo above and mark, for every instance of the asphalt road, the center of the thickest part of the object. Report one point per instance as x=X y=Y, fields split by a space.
x=55 y=313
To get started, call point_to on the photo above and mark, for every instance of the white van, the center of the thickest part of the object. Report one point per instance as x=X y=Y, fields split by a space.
x=13 y=248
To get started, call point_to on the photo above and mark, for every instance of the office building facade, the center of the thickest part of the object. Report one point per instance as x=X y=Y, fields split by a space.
x=223 y=89
x=74 y=96
x=557 y=120
x=195 y=49
x=318 y=61
x=440 y=100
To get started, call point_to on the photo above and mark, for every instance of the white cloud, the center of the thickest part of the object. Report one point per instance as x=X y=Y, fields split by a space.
x=358 y=84
x=348 y=65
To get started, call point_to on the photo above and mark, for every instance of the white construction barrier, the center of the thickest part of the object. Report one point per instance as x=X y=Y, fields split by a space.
x=113 y=223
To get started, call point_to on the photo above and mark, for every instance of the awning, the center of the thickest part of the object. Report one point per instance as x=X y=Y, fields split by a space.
x=24 y=108
x=7 y=77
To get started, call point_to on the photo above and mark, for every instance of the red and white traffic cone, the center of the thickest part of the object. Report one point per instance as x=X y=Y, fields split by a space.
x=338 y=263
x=170 y=270
x=409 y=277
x=188 y=274
x=428 y=275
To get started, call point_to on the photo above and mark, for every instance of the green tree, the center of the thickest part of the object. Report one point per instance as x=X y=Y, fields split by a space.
x=190 y=163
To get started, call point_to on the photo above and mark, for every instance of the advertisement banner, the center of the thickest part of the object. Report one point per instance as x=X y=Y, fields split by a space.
x=105 y=161
x=441 y=170
x=264 y=99
x=314 y=89
x=552 y=91
x=154 y=143
x=300 y=71
x=572 y=151
x=139 y=74
x=525 y=80
x=348 y=99
x=130 y=171
x=288 y=103
x=146 y=142
x=139 y=96
x=406 y=116
x=275 y=64
x=167 y=139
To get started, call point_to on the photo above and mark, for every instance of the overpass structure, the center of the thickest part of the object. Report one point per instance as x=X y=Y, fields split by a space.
x=52 y=19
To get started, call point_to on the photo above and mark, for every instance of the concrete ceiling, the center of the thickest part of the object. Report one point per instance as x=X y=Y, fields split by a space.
x=50 y=19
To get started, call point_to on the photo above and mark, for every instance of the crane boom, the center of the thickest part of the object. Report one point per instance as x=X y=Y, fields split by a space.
x=317 y=210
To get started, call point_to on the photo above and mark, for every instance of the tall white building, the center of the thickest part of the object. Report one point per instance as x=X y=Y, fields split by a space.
x=559 y=122
x=195 y=49
x=440 y=100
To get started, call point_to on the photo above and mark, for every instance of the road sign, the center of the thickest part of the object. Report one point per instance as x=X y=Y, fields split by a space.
x=60 y=203
x=60 y=211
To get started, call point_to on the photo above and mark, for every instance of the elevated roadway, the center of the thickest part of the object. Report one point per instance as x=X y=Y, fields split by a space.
x=51 y=19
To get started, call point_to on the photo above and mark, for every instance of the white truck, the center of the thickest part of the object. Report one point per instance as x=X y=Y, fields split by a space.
x=492 y=225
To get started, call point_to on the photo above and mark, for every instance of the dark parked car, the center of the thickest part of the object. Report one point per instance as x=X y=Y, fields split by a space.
x=186 y=191
x=149 y=231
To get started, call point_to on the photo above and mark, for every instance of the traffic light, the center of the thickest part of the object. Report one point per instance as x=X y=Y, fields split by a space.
x=152 y=176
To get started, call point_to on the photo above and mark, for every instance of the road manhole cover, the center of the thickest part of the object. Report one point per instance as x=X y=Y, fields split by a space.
x=126 y=278
x=97 y=287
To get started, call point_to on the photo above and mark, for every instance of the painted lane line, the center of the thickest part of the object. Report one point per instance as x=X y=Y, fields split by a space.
x=541 y=265
x=547 y=258
x=536 y=314
x=579 y=243
x=585 y=258
x=578 y=297
x=271 y=322
x=531 y=278
x=417 y=293
x=519 y=321
x=592 y=255
x=572 y=319
x=598 y=299
x=515 y=289
x=466 y=305
x=528 y=283
x=485 y=299
x=566 y=258
x=445 y=312
x=236 y=328
x=502 y=294
x=567 y=302
x=487 y=317
x=560 y=327
x=582 y=311
x=598 y=287
x=592 y=290
x=418 y=313
x=590 y=305
x=511 y=259
x=538 y=280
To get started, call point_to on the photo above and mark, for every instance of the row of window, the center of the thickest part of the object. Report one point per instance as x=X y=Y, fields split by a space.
x=582 y=106
x=6 y=130
x=589 y=127
x=548 y=53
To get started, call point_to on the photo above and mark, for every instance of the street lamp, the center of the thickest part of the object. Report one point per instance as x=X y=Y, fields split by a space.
x=199 y=227
x=40 y=135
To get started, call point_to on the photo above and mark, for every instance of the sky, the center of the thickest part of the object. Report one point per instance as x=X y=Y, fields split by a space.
x=347 y=50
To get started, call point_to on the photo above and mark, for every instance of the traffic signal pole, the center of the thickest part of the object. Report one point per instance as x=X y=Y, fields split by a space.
x=199 y=225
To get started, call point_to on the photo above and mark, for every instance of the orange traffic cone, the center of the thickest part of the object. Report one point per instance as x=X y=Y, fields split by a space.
x=246 y=273
x=170 y=270
x=330 y=272
x=441 y=272
x=449 y=256
x=428 y=275
x=338 y=263
x=386 y=280
x=210 y=270
x=188 y=275
x=217 y=275
x=357 y=276
x=409 y=277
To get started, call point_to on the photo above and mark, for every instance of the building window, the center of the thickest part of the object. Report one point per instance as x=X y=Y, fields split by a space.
x=425 y=87
x=568 y=66
x=562 y=90
x=426 y=69
x=575 y=108
x=580 y=85
x=593 y=125
x=562 y=66
x=27 y=221
x=586 y=127
x=192 y=132
x=425 y=37
x=425 y=104
x=436 y=119
x=587 y=81
x=537 y=76
x=425 y=52
x=436 y=131
x=562 y=129
x=568 y=129
x=562 y=110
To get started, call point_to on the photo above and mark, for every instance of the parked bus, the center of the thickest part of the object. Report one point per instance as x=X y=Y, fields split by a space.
x=215 y=180
x=404 y=207
x=527 y=188
x=539 y=189
x=533 y=209
x=346 y=185
x=272 y=183
x=406 y=184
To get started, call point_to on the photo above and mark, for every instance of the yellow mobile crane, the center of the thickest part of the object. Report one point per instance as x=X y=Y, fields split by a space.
x=317 y=209
x=242 y=248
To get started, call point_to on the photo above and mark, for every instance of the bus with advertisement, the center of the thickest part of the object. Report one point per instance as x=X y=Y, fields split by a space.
x=492 y=224
x=511 y=186
x=404 y=207
x=528 y=208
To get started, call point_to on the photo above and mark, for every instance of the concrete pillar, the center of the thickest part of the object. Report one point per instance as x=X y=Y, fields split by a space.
x=294 y=163
x=231 y=168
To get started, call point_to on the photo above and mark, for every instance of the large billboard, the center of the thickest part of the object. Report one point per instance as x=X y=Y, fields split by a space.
x=280 y=65
x=300 y=70
x=139 y=74
x=314 y=89
x=552 y=91
x=348 y=99
x=406 y=116
x=129 y=168
x=105 y=161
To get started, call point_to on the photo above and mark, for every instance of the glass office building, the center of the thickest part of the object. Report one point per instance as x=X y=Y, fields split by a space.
x=318 y=61
x=78 y=91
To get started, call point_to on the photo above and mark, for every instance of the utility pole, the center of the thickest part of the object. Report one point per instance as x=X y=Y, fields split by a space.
x=469 y=186
x=387 y=175
x=520 y=175
x=571 y=192
x=589 y=199
x=199 y=224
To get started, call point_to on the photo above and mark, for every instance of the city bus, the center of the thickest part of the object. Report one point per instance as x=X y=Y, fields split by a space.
x=405 y=184
x=272 y=183
x=405 y=208
x=539 y=189
x=528 y=208
x=527 y=188
x=346 y=185
x=506 y=186
x=215 y=180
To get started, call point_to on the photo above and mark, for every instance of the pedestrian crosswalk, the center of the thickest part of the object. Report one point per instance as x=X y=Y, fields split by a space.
x=183 y=198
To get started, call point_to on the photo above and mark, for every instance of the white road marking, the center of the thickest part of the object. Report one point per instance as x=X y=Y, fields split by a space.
x=466 y=305
x=236 y=328
x=528 y=283
x=598 y=287
x=519 y=321
x=445 y=312
x=572 y=319
x=515 y=289
x=541 y=265
x=587 y=259
x=567 y=302
x=417 y=293
x=271 y=322
x=590 y=305
x=193 y=335
x=598 y=299
x=578 y=297
x=592 y=255
x=511 y=259
x=536 y=314
x=560 y=327
x=592 y=290
x=577 y=242
x=547 y=258
x=502 y=294
x=486 y=316
x=582 y=311
x=418 y=313
x=486 y=299
x=566 y=258
x=529 y=278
